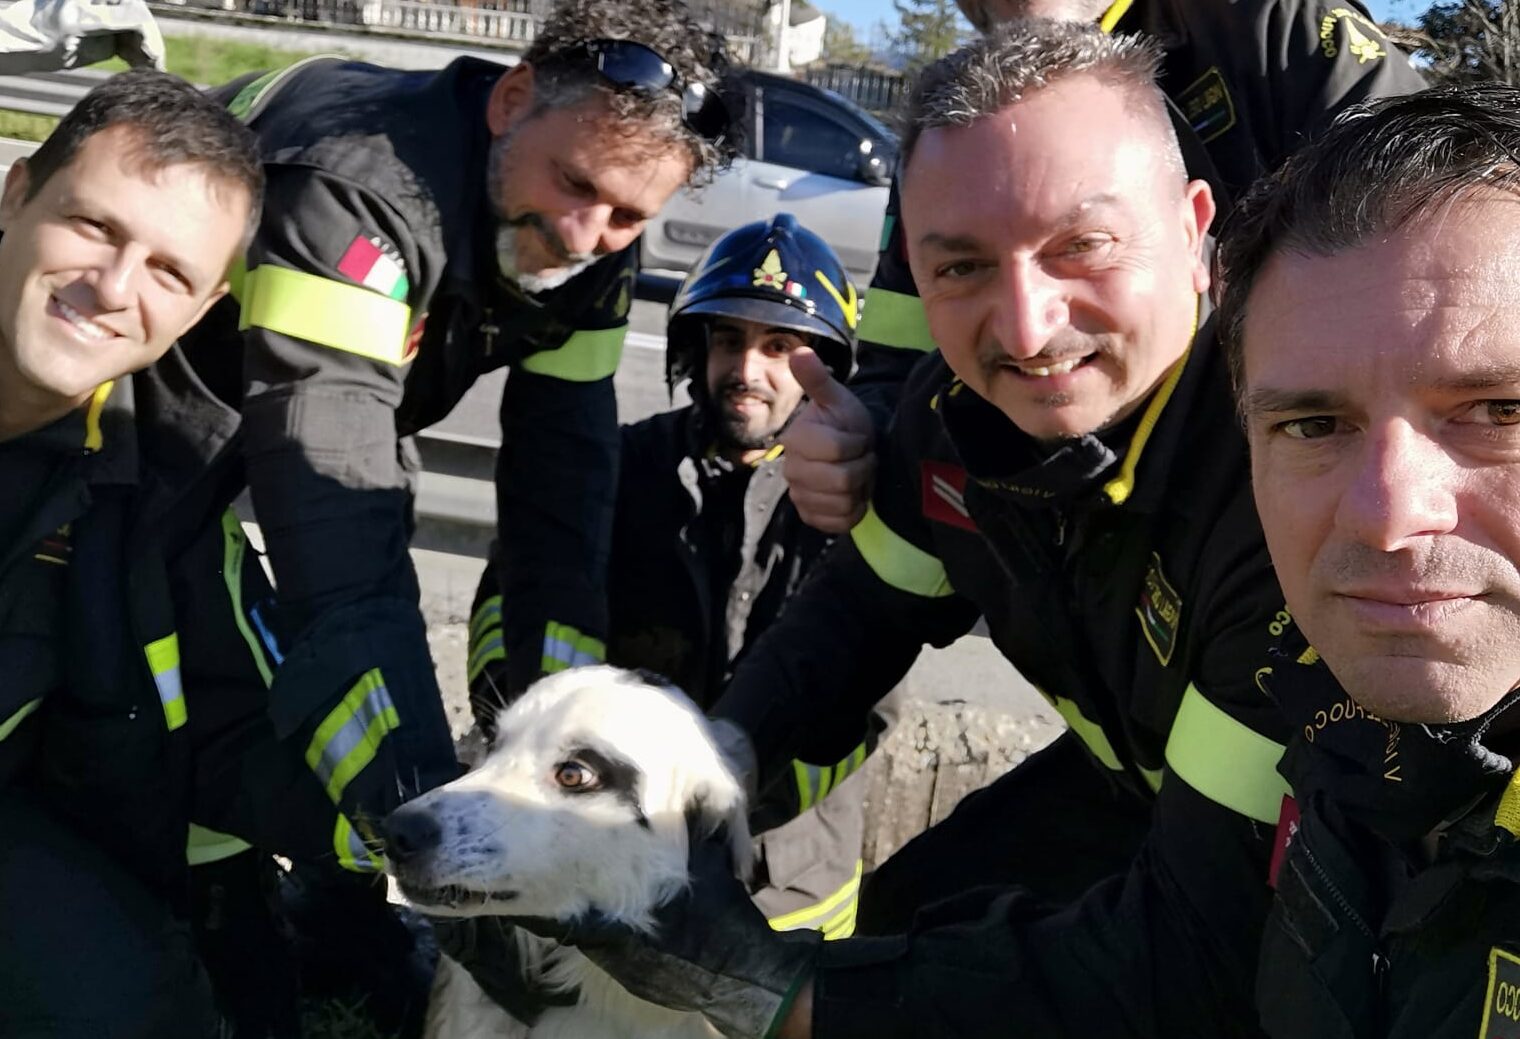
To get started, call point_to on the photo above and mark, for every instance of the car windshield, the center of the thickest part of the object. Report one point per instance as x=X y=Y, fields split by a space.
x=878 y=129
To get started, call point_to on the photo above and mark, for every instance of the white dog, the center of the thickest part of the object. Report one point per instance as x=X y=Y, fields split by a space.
x=580 y=803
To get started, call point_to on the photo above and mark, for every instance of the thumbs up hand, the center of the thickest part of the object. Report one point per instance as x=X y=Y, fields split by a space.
x=830 y=455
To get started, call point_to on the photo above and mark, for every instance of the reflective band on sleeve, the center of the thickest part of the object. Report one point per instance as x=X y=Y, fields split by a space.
x=565 y=647
x=1507 y=816
x=163 y=661
x=326 y=312
x=895 y=319
x=483 y=653
x=897 y=561
x=1086 y=730
x=349 y=738
x=353 y=853
x=234 y=551
x=203 y=846
x=834 y=915
x=487 y=615
x=1225 y=760
x=10 y=724
x=585 y=357
x=815 y=781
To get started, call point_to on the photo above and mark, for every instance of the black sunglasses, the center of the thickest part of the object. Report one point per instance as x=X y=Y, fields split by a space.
x=633 y=66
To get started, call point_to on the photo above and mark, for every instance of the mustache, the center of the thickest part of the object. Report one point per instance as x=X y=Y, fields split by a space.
x=1446 y=563
x=991 y=356
x=550 y=236
x=729 y=387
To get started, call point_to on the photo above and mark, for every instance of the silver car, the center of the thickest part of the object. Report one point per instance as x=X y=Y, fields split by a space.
x=808 y=152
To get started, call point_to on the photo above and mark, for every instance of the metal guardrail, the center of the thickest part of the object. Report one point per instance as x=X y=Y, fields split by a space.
x=47 y=93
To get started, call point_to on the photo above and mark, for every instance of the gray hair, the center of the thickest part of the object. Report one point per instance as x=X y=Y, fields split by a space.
x=664 y=26
x=1027 y=55
x=1380 y=167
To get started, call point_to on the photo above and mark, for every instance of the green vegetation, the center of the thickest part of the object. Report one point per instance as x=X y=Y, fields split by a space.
x=200 y=59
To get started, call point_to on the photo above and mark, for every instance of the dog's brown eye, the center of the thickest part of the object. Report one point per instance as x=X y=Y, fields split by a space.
x=572 y=775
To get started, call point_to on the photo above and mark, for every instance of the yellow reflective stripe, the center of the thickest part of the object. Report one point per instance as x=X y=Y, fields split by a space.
x=485 y=614
x=895 y=319
x=353 y=853
x=163 y=661
x=822 y=911
x=349 y=738
x=489 y=650
x=586 y=356
x=1121 y=486
x=1153 y=777
x=326 y=312
x=1225 y=760
x=565 y=647
x=26 y=710
x=804 y=776
x=93 y=438
x=1116 y=11
x=1086 y=730
x=897 y=561
x=234 y=551
x=203 y=845
x=841 y=925
x=1507 y=816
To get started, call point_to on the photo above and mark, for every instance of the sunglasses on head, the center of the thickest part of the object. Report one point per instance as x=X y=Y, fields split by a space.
x=633 y=66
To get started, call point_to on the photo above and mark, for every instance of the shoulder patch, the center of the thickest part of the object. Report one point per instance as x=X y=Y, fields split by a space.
x=1501 y=1007
x=1362 y=35
x=944 y=494
x=1160 y=611
x=1207 y=105
x=373 y=262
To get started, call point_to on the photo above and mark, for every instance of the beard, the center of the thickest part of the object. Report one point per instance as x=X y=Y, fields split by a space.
x=510 y=229
x=733 y=429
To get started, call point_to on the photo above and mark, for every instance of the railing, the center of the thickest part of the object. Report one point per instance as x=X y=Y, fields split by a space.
x=876 y=90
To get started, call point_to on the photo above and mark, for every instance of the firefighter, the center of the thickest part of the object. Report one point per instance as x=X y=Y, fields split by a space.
x=1379 y=377
x=1251 y=80
x=1069 y=468
x=133 y=735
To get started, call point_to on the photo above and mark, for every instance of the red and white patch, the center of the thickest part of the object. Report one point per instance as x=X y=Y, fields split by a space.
x=1287 y=829
x=944 y=494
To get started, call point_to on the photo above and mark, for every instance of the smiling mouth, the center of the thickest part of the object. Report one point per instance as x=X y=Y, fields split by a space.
x=1046 y=371
x=86 y=327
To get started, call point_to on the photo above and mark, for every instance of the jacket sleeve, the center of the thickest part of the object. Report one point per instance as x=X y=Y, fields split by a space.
x=855 y=627
x=334 y=288
x=894 y=333
x=1320 y=58
x=556 y=484
x=1168 y=949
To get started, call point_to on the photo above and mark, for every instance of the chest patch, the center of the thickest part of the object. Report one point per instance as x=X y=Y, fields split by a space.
x=374 y=263
x=944 y=494
x=1207 y=105
x=1160 y=611
x=1501 y=1008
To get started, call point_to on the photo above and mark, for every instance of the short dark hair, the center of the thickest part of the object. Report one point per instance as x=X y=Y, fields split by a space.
x=174 y=124
x=1025 y=55
x=666 y=27
x=1380 y=166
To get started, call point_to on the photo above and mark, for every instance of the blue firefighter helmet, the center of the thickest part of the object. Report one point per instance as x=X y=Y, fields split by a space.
x=776 y=272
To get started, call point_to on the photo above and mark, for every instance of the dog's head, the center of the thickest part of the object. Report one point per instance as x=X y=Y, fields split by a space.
x=582 y=803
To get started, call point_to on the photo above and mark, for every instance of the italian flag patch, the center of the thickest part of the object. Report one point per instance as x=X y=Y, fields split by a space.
x=376 y=265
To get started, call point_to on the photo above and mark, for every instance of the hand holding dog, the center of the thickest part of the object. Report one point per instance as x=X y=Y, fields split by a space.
x=712 y=952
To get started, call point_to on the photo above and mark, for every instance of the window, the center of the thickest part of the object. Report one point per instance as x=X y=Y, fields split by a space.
x=801 y=136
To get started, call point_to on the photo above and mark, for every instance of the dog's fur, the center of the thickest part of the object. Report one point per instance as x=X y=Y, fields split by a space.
x=515 y=842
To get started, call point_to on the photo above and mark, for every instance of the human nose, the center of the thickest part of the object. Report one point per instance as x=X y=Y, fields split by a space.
x=1030 y=308
x=115 y=284
x=1402 y=489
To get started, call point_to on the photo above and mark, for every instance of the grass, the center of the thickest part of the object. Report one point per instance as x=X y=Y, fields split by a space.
x=200 y=59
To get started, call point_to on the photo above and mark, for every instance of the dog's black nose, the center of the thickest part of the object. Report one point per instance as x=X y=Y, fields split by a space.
x=410 y=832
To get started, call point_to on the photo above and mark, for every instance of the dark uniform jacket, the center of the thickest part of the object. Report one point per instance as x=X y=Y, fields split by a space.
x=134 y=676
x=704 y=558
x=1251 y=78
x=371 y=303
x=1398 y=902
x=1130 y=583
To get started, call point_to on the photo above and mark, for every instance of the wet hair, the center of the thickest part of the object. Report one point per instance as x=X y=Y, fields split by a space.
x=171 y=123
x=666 y=27
x=1381 y=166
x=1026 y=55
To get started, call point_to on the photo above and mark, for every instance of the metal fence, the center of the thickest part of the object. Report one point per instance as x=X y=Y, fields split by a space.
x=876 y=90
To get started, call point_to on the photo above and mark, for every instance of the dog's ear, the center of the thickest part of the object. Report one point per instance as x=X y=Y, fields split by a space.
x=705 y=817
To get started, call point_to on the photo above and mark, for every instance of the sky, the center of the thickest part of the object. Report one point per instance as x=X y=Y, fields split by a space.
x=864 y=14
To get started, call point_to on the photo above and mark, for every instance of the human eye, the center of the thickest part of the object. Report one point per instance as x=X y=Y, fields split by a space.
x=1314 y=427
x=958 y=269
x=1492 y=413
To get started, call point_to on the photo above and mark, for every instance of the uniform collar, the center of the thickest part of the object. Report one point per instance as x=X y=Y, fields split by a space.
x=102 y=429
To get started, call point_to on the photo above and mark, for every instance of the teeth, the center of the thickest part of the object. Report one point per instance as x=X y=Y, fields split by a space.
x=1054 y=369
x=79 y=321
